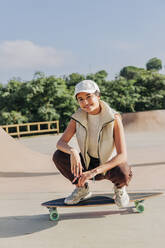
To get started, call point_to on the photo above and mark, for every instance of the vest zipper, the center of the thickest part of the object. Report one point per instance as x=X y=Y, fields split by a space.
x=99 y=137
x=85 y=138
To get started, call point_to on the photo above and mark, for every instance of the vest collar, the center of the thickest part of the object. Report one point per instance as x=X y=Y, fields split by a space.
x=106 y=115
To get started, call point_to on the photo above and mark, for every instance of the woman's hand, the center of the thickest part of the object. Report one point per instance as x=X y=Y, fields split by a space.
x=76 y=166
x=86 y=176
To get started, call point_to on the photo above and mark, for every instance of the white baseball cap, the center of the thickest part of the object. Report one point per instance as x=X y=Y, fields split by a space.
x=88 y=86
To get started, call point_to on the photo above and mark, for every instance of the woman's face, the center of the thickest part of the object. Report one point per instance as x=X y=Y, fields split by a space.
x=89 y=102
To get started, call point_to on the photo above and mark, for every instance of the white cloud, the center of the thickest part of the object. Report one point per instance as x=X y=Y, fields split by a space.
x=24 y=54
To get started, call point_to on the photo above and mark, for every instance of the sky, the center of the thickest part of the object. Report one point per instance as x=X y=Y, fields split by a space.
x=60 y=37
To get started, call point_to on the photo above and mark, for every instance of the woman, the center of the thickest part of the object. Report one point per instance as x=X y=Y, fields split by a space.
x=101 y=140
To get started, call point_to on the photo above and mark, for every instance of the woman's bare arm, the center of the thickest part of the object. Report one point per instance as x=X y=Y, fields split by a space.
x=69 y=132
x=62 y=145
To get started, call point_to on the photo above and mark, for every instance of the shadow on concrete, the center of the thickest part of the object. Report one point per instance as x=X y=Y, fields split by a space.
x=13 y=226
x=27 y=174
x=96 y=214
x=148 y=164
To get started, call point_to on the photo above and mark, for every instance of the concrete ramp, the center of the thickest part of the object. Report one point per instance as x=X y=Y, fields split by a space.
x=15 y=157
x=144 y=121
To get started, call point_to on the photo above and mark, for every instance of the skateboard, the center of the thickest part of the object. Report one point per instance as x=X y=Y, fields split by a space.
x=97 y=200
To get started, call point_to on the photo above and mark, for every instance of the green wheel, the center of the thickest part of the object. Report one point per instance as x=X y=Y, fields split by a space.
x=54 y=216
x=139 y=206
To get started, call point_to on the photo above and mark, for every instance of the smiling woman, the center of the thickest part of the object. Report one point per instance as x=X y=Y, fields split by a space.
x=101 y=141
x=89 y=103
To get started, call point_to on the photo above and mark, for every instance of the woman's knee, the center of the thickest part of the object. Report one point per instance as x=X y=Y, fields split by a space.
x=61 y=159
x=125 y=172
x=121 y=174
x=56 y=156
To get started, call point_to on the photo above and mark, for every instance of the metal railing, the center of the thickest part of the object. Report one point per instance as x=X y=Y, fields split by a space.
x=31 y=128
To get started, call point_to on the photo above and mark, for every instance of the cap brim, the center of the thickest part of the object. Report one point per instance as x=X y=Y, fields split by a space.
x=86 y=91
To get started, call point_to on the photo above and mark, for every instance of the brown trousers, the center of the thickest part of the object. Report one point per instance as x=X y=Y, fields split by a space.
x=119 y=175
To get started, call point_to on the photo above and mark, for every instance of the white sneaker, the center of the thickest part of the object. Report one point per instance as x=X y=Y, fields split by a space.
x=121 y=197
x=79 y=194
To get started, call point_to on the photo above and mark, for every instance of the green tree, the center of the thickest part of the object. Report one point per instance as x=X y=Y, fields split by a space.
x=13 y=117
x=154 y=64
x=47 y=98
x=151 y=89
x=98 y=77
x=121 y=94
x=131 y=72
x=10 y=95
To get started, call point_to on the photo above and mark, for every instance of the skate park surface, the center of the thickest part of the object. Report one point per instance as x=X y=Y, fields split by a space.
x=28 y=177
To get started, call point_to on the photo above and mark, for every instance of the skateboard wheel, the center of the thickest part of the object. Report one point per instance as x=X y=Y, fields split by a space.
x=139 y=206
x=54 y=216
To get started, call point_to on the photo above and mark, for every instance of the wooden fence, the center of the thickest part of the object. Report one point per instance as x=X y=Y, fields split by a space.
x=31 y=128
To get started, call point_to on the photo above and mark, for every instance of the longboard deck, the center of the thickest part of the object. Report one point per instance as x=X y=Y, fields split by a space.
x=99 y=199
